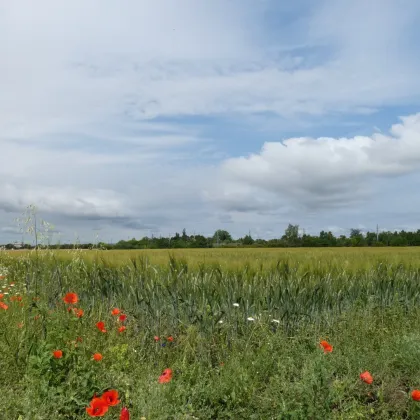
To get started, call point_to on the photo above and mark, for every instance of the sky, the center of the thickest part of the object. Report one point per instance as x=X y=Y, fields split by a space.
x=133 y=118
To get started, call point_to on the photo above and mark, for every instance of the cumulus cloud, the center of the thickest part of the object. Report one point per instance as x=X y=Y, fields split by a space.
x=322 y=172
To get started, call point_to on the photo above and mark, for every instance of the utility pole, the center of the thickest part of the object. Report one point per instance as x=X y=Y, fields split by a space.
x=377 y=233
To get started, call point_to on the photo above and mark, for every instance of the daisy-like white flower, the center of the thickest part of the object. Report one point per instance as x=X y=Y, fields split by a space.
x=236 y=305
x=276 y=321
x=221 y=322
x=250 y=318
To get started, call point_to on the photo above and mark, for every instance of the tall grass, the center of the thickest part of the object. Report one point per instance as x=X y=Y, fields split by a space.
x=245 y=336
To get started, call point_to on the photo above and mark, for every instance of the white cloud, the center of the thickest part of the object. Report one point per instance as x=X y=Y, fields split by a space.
x=99 y=203
x=79 y=63
x=322 y=172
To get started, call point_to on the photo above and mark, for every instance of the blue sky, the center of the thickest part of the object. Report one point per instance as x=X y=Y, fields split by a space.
x=122 y=119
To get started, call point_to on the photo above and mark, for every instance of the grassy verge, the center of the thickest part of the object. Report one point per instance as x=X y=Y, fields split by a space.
x=242 y=340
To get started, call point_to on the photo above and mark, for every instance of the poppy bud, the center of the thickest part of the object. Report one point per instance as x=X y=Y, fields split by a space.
x=125 y=414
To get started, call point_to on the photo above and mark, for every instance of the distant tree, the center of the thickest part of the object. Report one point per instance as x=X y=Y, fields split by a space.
x=222 y=236
x=355 y=233
x=356 y=237
x=184 y=235
x=248 y=240
x=291 y=235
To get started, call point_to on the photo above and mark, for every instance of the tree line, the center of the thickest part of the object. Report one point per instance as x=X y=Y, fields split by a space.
x=222 y=238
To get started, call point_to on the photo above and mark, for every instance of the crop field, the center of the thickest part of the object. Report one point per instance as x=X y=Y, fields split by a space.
x=210 y=334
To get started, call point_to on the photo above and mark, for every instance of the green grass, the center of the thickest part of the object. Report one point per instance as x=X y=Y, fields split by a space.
x=365 y=302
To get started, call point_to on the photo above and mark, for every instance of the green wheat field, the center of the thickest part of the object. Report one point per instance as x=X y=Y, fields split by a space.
x=239 y=330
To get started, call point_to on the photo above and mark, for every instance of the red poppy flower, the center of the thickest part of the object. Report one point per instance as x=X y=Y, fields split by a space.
x=122 y=329
x=97 y=408
x=79 y=339
x=16 y=298
x=101 y=326
x=415 y=395
x=166 y=376
x=125 y=414
x=58 y=354
x=366 y=377
x=328 y=348
x=71 y=298
x=156 y=338
x=1 y=295
x=122 y=317
x=3 y=305
x=79 y=312
x=170 y=338
x=115 y=311
x=111 y=397
x=97 y=357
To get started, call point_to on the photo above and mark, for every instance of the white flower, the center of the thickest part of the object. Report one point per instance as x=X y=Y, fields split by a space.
x=276 y=321
x=221 y=322
x=236 y=305
x=250 y=318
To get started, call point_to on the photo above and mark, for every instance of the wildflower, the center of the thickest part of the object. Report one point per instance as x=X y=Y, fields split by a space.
x=97 y=408
x=111 y=397
x=125 y=414
x=122 y=317
x=101 y=326
x=275 y=321
x=166 y=376
x=221 y=321
x=1 y=296
x=16 y=298
x=79 y=339
x=366 y=377
x=71 y=298
x=122 y=329
x=236 y=305
x=97 y=357
x=415 y=395
x=250 y=318
x=3 y=305
x=156 y=338
x=20 y=325
x=36 y=317
x=58 y=354
x=79 y=312
x=115 y=311
x=328 y=348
